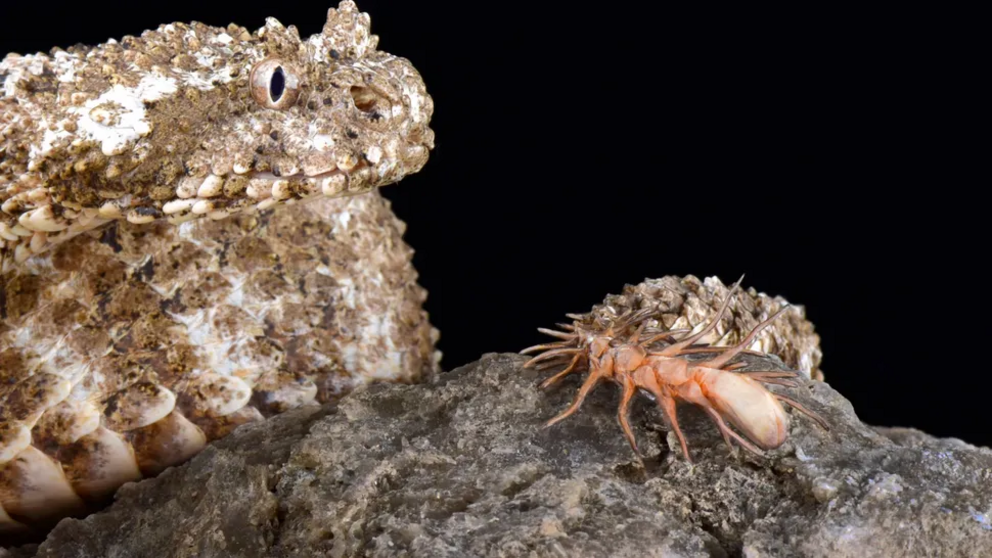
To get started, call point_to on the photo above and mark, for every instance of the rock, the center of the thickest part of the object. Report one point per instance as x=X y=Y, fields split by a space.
x=24 y=552
x=462 y=467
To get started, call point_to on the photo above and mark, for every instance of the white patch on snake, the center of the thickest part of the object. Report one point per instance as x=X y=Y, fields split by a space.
x=117 y=118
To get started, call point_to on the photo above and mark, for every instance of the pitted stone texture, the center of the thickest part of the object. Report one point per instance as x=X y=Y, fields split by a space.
x=461 y=467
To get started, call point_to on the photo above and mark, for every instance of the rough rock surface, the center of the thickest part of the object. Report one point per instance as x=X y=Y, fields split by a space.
x=461 y=467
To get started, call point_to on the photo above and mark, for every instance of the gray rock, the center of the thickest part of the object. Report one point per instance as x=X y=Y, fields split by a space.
x=462 y=467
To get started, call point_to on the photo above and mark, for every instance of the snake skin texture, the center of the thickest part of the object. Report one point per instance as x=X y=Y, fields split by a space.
x=191 y=239
x=125 y=351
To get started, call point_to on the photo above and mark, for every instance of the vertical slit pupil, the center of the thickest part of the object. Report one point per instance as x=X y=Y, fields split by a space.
x=277 y=85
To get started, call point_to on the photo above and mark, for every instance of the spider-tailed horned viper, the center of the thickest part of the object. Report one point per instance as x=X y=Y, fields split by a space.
x=181 y=251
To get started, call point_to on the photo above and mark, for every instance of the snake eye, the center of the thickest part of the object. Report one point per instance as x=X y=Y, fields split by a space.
x=274 y=84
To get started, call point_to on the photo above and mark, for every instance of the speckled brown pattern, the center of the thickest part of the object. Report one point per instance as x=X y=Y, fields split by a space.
x=125 y=350
x=192 y=121
x=133 y=333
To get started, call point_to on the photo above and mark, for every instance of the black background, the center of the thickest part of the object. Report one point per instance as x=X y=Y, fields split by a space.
x=826 y=155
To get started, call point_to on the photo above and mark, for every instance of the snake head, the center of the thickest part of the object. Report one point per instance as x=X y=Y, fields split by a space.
x=192 y=121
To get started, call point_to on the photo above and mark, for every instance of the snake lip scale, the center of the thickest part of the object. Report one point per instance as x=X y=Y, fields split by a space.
x=183 y=246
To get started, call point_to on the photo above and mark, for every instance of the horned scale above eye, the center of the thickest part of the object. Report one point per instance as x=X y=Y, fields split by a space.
x=129 y=129
x=127 y=343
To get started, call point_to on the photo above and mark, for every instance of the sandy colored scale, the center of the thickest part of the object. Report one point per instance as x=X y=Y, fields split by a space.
x=179 y=254
x=189 y=121
x=125 y=350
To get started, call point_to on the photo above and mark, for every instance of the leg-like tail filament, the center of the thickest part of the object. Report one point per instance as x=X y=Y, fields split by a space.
x=719 y=361
x=677 y=347
x=557 y=377
x=777 y=378
x=728 y=433
x=624 y=413
x=769 y=373
x=704 y=350
x=664 y=336
x=550 y=354
x=720 y=426
x=594 y=376
x=545 y=347
x=799 y=407
x=552 y=363
x=667 y=403
x=637 y=334
x=559 y=334
x=779 y=382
